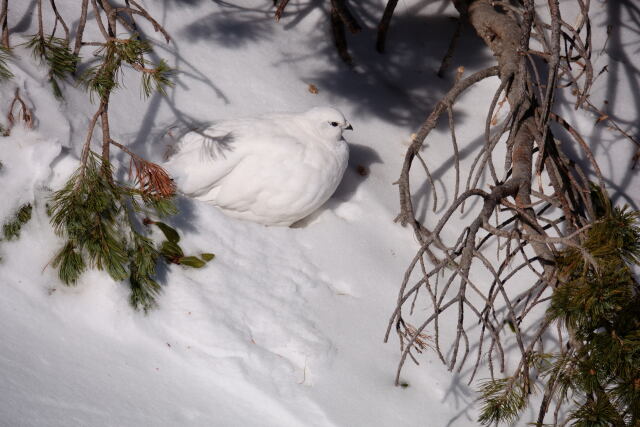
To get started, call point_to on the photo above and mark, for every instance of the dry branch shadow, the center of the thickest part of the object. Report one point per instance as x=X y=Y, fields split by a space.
x=422 y=197
x=401 y=85
x=619 y=16
x=232 y=26
x=622 y=15
x=460 y=391
x=25 y=22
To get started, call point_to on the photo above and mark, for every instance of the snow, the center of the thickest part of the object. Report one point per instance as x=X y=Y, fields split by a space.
x=25 y=158
x=285 y=326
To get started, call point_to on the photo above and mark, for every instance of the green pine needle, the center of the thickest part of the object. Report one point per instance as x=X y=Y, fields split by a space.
x=11 y=230
x=502 y=400
x=597 y=412
x=70 y=264
x=601 y=306
x=5 y=56
x=162 y=207
x=104 y=78
x=56 y=54
x=88 y=212
x=143 y=261
x=157 y=80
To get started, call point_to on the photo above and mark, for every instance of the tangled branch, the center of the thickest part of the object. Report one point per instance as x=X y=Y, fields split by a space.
x=536 y=203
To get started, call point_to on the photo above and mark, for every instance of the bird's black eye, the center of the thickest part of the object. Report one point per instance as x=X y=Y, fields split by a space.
x=334 y=124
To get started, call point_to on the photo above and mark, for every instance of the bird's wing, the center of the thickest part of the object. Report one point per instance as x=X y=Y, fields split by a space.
x=269 y=170
x=205 y=157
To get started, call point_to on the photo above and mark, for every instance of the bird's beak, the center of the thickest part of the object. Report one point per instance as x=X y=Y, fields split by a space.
x=349 y=127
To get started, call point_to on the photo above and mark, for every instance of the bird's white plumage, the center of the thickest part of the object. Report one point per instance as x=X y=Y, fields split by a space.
x=274 y=169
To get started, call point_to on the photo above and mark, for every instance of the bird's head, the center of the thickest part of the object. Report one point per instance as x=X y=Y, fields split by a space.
x=328 y=122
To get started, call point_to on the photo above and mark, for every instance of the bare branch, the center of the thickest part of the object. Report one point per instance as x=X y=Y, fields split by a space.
x=383 y=26
x=4 y=15
x=24 y=114
x=81 y=24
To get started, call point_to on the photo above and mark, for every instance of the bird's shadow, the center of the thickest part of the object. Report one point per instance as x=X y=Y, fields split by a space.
x=361 y=158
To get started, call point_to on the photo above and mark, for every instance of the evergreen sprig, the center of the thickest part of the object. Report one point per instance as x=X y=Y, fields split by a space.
x=5 y=56
x=11 y=230
x=56 y=54
x=88 y=212
x=161 y=206
x=70 y=263
x=143 y=258
x=502 y=400
x=102 y=79
x=98 y=219
x=601 y=306
x=157 y=79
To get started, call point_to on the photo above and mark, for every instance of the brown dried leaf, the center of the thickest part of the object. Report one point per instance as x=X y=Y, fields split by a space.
x=362 y=170
x=152 y=179
x=421 y=342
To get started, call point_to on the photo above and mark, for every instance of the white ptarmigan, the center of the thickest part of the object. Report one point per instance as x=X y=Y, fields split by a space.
x=274 y=170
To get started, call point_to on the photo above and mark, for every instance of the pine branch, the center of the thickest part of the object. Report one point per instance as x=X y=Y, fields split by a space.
x=4 y=17
x=502 y=401
x=142 y=266
x=5 y=56
x=82 y=22
x=11 y=230
x=601 y=304
x=88 y=213
x=56 y=54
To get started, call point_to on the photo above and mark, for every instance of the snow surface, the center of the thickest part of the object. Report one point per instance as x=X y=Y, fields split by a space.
x=285 y=326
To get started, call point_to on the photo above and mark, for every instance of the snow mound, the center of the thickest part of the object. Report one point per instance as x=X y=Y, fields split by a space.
x=27 y=159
